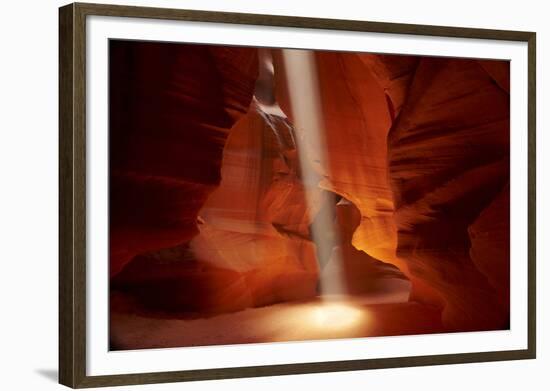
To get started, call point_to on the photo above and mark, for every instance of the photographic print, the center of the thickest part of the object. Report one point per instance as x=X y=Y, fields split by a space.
x=272 y=195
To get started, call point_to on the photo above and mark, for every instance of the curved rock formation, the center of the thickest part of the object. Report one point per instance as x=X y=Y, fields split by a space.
x=257 y=221
x=171 y=107
x=448 y=159
x=363 y=275
x=211 y=210
x=444 y=160
x=356 y=121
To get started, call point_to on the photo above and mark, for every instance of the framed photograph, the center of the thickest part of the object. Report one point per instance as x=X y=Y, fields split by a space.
x=250 y=195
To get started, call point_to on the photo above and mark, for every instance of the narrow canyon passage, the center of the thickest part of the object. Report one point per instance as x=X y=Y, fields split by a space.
x=266 y=195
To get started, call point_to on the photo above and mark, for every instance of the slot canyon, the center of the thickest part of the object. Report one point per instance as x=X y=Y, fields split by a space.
x=269 y=195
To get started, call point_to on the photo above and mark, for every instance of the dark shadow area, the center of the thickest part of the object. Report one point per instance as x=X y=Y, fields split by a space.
x=50 y=374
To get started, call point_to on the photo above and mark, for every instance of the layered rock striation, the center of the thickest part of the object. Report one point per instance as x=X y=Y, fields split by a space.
x=211 y=213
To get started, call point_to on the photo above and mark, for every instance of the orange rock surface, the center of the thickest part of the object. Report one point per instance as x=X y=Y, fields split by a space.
x=448 y=159
x=171 y=107
x=421 y=147
x=210 y=214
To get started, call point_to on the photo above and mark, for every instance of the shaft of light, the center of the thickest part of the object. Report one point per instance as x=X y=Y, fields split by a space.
x=302 y=83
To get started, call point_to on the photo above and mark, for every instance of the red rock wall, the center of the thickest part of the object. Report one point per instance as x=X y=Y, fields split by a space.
x=171 y=109
x=207 y=196
x=448 y=161
x=253 y=247
x=257 y=220
x=490 y=245
x=421 y=147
